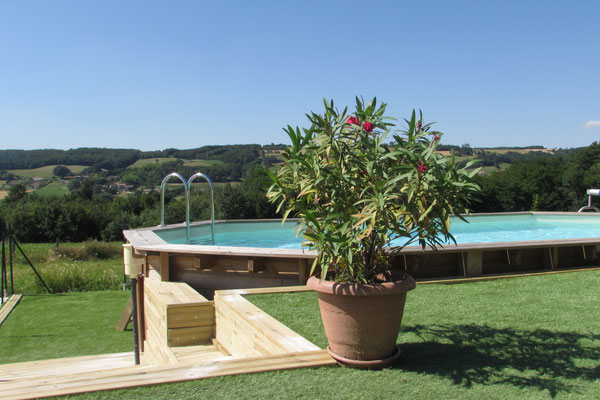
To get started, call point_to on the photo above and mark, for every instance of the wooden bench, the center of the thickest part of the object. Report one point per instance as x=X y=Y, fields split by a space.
x=176 y=315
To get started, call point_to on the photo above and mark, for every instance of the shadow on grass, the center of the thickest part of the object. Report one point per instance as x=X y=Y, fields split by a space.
x=473 y=354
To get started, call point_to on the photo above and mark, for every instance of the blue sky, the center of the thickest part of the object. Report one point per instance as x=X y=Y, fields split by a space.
x=184 y=74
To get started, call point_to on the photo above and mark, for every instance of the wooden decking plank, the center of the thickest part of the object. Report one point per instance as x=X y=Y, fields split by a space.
x=280 y=289
x=502 y=276
x=60 y=366
x=142 y=376
x=286 y=338
x=240 y=338
x=8 y=306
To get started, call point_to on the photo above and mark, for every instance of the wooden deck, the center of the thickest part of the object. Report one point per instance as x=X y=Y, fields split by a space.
x=60 y=377
x=8 y=305
x=251 y=341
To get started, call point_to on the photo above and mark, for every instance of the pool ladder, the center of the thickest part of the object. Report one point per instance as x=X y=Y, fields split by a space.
x=188 y=187
x=589 y=207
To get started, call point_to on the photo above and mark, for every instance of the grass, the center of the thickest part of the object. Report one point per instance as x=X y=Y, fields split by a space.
x=64 y=325
x=73 y=267
x=527 y=338
x=56 y=188
x=44 y=172
x=491 y=168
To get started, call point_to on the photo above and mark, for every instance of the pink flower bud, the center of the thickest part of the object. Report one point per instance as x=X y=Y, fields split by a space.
x=422 y=167
x=353 y=120
x=368 y=126
x=419 y=125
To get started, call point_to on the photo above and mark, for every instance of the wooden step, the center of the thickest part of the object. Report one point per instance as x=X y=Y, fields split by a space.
x=8 y=306
x=64 y=366
x=117 y=378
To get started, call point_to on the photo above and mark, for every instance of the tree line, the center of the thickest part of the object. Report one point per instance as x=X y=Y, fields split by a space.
x=544 y=183
x=86 y=214
x=111 y=159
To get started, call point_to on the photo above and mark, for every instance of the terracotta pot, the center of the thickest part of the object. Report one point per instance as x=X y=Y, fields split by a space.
x=362 y=321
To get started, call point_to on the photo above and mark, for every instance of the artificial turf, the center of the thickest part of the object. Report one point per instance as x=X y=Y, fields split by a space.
x=531 y=337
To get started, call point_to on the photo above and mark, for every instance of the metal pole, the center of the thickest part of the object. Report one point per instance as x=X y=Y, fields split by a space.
x=12 y=280
x=134 y=319
x=3 y=271
x=10 y=260
x=31 y=265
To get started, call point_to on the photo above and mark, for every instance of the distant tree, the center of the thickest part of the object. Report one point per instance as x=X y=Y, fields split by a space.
x=466 y=150
x=7 y=176
x=61 y=171
x=582 y=172
x=86 y=189
x=16 y=193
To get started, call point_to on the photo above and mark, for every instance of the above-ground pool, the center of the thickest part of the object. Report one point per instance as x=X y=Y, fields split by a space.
x=267 y=253
x=478 y=229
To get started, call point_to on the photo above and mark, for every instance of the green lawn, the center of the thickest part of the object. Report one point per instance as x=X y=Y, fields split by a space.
x=44 y=172
x=531 y=337
x=64 y=325
x=56 y=188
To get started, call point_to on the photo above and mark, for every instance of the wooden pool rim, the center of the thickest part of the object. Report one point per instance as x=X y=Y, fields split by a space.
x=285 y=267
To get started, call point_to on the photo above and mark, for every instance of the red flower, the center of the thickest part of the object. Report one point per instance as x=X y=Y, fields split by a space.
x=353 y=120
x=368 y=126
x=435 y=138
x=419 y=125
x=422 y=167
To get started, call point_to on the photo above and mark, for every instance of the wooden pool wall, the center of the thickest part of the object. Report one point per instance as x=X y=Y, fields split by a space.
x=210 y=268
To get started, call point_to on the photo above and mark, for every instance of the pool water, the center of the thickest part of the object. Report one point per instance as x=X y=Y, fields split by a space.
x=480 y=229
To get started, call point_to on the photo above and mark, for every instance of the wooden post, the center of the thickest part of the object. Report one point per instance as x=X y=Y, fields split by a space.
x=302 y=271
x=474 y=263
x=126 y=317
x=554 y=257
x=255 y=265
x=164 y=266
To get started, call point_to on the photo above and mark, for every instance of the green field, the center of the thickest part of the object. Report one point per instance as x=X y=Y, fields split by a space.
x=188 y=163
x=44 y=172
x=56 y=188
x=73 y=267
x=490 y=168
x=64 y=325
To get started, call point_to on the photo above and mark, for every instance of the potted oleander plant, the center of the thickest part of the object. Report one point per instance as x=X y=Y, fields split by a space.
x=362 y=191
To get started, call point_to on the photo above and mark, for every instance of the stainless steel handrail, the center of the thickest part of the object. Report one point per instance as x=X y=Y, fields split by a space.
x=188 y=187
x=212 y=204
x=589 y=207
x=163 y=186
